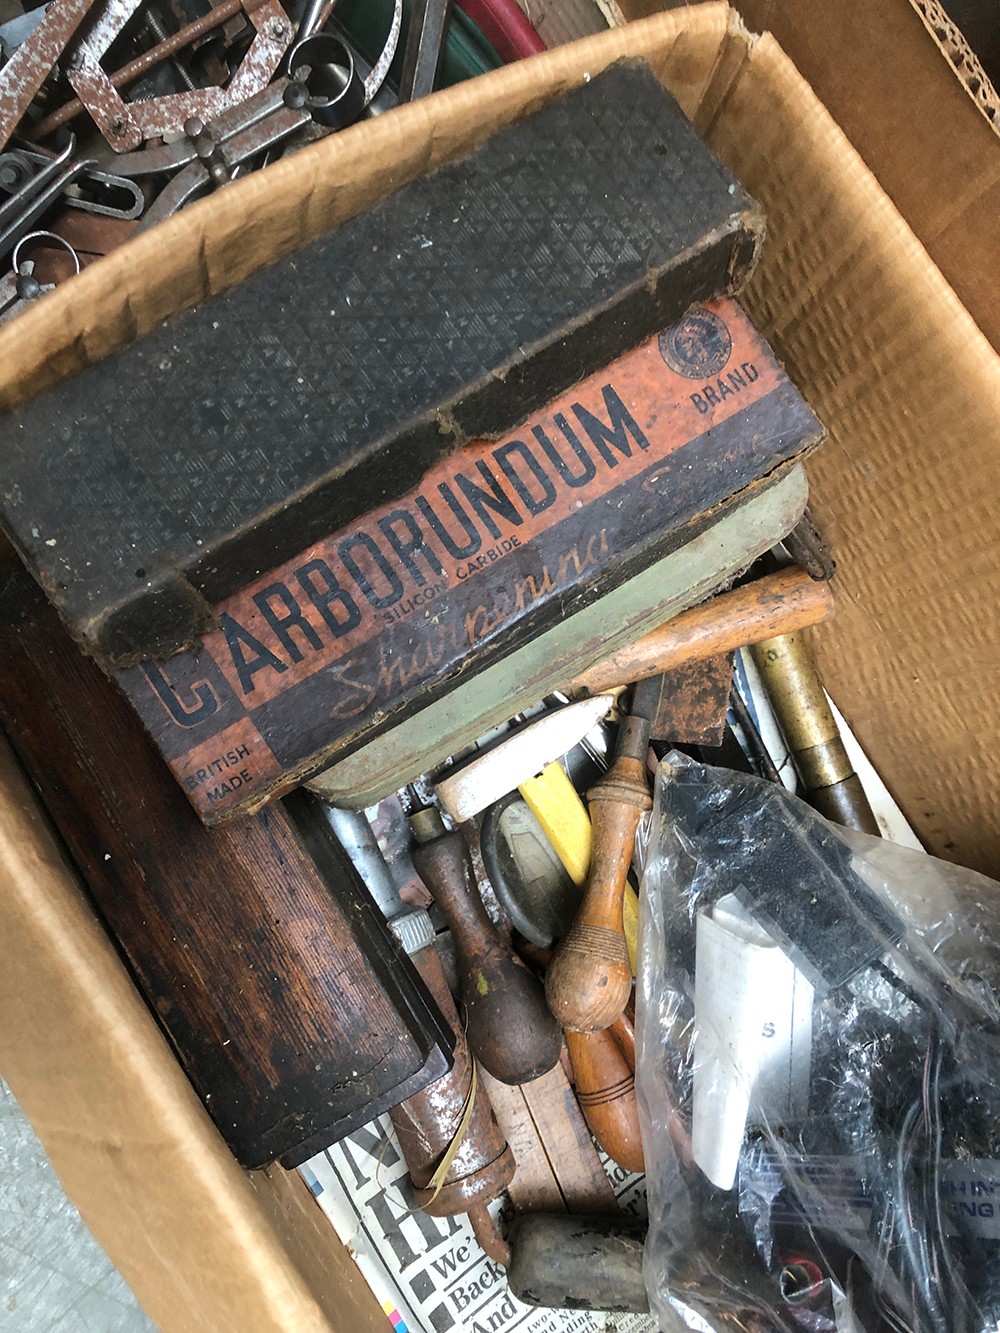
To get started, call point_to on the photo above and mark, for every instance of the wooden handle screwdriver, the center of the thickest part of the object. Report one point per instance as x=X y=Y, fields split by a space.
x=605 y=1089
x=604 y=1081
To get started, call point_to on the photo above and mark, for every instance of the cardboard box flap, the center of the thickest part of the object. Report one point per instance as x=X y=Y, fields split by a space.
x=888 y=84
x=910 y=390
x=123 y=1128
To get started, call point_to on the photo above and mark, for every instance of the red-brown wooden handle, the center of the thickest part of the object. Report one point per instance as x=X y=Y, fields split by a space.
x=775 y=604
x=605 y=1089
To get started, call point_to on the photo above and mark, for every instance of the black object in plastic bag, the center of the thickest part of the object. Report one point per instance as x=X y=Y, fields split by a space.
x=817 y=1035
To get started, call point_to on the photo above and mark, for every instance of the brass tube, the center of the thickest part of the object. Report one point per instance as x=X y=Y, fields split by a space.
x=811 y=733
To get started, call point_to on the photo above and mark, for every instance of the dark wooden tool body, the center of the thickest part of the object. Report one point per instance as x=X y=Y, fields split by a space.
x=509 y=1027
x=589 y=980
x=291 y=1009
x=428 y=1122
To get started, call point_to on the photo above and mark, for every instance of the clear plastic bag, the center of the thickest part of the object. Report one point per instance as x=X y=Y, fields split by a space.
x=818 y=1032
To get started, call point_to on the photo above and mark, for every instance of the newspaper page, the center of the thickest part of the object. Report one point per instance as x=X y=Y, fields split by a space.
x=430 y=1274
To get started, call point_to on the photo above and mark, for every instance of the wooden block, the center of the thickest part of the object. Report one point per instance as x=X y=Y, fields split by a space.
x=265 y=960
x=546 y=1129
x=534 y=1188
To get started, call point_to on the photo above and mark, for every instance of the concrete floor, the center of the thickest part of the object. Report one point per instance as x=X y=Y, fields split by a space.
x=54 y=1277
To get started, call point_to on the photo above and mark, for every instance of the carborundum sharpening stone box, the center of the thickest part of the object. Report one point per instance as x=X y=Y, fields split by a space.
x=324 y=502
x=492 y=559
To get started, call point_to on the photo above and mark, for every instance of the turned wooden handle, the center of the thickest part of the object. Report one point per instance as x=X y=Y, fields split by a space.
x=605 y=1089
x=776 y=604
x=622 y=1030
x=589 y=980
x=509 y=1027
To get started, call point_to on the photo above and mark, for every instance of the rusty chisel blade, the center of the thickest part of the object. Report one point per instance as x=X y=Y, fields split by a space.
x=501 y=769
x=693 y=702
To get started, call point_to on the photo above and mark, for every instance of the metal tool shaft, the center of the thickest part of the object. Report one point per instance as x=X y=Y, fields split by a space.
x=811 y=732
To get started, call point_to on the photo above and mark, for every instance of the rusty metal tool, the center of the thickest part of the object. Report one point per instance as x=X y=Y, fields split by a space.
x=209 y=154
x=774 y=604
x=589 y=980
x=143 y=63
x=20 y=287
x=89 y=81
x=509 y=1028
x=693 y=703
x=811 y=732
x=807 y=547
x=125 y=125
x=163 y=159
x=455 y=1151
x=424 y=44
x=32 y=62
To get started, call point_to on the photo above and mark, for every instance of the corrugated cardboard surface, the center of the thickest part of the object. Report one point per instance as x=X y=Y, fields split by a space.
x=887 y=355
x=882 y=75
x=906 y=488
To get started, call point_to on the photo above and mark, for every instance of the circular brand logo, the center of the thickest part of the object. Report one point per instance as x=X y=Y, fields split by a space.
x=698 y=347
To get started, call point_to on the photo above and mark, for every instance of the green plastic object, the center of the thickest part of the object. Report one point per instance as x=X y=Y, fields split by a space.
x=467 y=52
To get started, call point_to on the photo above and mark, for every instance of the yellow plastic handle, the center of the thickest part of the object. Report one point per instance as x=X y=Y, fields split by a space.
x=557 y=806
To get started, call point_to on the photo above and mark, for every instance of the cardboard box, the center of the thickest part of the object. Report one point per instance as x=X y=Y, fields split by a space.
x=902 y=83
x=885 y=352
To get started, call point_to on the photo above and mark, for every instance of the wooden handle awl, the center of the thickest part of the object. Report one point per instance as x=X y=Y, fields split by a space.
x=589 y=981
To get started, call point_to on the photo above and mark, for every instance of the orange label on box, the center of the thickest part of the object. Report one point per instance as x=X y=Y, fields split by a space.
x=362 y=620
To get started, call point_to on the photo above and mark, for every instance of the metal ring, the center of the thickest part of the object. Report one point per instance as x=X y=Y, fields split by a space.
x=336 y=93
x=47 y=235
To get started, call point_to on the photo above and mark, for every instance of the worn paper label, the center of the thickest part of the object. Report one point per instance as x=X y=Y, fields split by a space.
x=500 y=539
